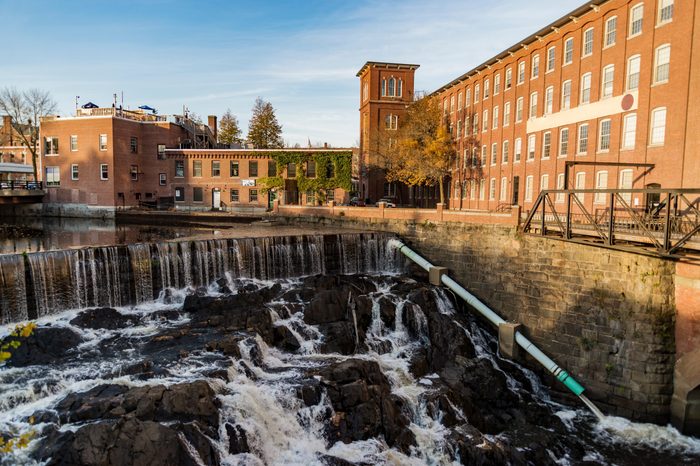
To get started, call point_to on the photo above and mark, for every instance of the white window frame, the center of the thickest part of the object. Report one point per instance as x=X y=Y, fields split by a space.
x=610 y=33
x=521 y=72
x=559 y=198
x=621 y=183
x=506 y=114
x=585 y=90
x=487 y=88
x=607 y=86
x=104 y=172
x=568 y=52
x=546 y=145
x=634 y=64
x=588 y=41
x=519 y=109
x=531 y=147
x=566 y=95
x=517 y=150
x=601 y=198
x=529 y=179
x=580 y=184
x=551 y=59
x=535 y=67
x=549 y=100
x=639 y=7
x=503 y=195
x=629 y=131
x=492 y=189
x=505 y=151
x=74 y=172
x=579 y=132
x=485 y=120
x=666 y=65
x=103 y=142
x=532 y=108
x=497 y=84
x=604 y=139
x=657 y=129
x=494 y=153
x=74 y=143
x=508 y=79
x=667 y=5
x=495 y=117
x=563 y=142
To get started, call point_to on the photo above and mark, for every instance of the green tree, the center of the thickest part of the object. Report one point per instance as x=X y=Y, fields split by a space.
x=264 y=132
x=229 y=130
x=26 y=108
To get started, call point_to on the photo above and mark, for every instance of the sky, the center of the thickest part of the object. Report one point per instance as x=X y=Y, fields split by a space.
x=210 y=56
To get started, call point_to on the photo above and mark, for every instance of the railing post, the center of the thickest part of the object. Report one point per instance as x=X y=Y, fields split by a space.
x=543 y=227
x=611 y=220
x=567 y=233
x=667 y=224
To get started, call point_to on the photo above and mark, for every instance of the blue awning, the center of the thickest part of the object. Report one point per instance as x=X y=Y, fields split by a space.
x=90 y=105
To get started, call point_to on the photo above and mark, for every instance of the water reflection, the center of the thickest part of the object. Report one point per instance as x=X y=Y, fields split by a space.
x=18 y=235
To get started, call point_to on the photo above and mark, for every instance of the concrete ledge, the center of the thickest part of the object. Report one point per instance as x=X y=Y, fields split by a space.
x=435 y=275
x=507 y=345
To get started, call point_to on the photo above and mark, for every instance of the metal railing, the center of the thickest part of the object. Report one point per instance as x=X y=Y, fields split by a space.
x=25 y=185
x=668 y=222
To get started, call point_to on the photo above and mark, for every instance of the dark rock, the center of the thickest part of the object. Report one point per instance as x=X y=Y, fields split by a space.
x=45 y=345
x=285 y=339
x=237 y=439
x=229 y=345
x=310 y=392
x=339 y=337
x=326 y=307
x=103 y=318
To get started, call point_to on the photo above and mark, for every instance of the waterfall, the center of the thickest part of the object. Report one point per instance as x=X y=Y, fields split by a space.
x=38 y=284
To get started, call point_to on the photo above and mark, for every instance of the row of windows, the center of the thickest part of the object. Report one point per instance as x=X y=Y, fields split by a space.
x=661 y=74
x=234 y=169
x=665 y=14
x=657 y=134
x=198 y=194
x=51 y=145
x=53 y=174
x=392 y=87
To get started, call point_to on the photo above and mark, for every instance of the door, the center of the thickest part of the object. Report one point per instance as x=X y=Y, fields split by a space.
x=516 y=189
x=215 y=199
x=626 y=183
x=271 y=196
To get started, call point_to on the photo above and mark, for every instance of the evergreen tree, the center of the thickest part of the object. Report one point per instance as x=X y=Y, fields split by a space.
x=264 y=132
x=229 y=130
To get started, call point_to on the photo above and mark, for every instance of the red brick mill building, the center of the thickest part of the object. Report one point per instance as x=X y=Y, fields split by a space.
x=612 y=82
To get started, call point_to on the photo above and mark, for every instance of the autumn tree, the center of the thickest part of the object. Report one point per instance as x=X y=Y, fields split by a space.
x=264 y=132
x=26 y=108
x=229 y=130
x=420 y=151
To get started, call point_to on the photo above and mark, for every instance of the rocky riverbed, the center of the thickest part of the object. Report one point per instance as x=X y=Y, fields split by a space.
x=327 y=369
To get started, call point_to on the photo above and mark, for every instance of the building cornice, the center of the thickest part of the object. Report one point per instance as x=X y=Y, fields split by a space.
x=386 y=65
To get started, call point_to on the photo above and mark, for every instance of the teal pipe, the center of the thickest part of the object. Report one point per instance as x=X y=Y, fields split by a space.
x=561 y=375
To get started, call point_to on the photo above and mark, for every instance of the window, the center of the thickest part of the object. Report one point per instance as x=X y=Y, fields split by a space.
x=460 y=104
x=563 y=142
x=475 y=124
x=272 y=168
x=629 y=131
x=504 y=152
x=73 y=143
x=291 y=170
x=551 y=58
x=658 y=126
x=496 y=84
x=365 y=91
x=583 y=138
x=330 y=170
x=633 y=64
x=519 y=110
x=487 y=88
x=544 y=182
x=161 y=151
x=234 y=168
x=586 y=88
x=459 y=128
x=531 y=147
x=134 y=145
x=636 y=20
x=477 y=93
x=533 y=105
x=548 y=100
x=610 y=31
x=234 y=195
x=601 y=182
x=569 y=51
x=604 y=135
x=51 y=146
x=452 y=104
x=311 y=169
x=504 y=189
x=466 y=126
x=74 y=172
x=535 y=67
x=494 y=153
x=134 y=171
x=197 y=194
x=608 y=80
x=392 y=87
x=215 y=168
x=509 y=78
x=253 y=195
x=518 y=149
x=495 y=118
x=546 y=144
x=483 y=154
x=528 y=188
x=485 y=121
x=197 y=168
x=252 y=168
x=104 y=171
x=103 y=142
x=492 y=189
x=626 y=183
x=663 y=63
x=665 y=11
x=506 y=114
x=179 y=169
x=560 y=185
x=391 y=122
x=482 y=190
x=468 y=97
x=521 y=72
x=330 y=195
x=587 y=43
x=580 y=184
x=566 y=95
x=162 y=179
x=179 y=194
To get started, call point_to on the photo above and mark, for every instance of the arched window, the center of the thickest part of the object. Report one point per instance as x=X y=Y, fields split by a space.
x=392 y=87
x=399 y=87
x=383 y=87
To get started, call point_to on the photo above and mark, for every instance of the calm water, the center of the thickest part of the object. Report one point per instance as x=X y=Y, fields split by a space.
x=19 y=235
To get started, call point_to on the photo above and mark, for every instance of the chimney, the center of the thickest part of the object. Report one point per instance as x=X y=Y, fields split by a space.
x=7 y=129
x=213 y=126
x=325 y=145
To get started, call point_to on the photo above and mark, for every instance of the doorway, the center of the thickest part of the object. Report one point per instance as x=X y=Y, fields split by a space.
x=516 y=190
x=215 y=199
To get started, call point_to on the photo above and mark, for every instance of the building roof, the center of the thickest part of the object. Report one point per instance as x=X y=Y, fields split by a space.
x=552 y=27
x=391 y=66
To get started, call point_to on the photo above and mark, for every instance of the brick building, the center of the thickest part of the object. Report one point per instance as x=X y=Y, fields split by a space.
x=229 y=179
x=612 y=82
x=15 y=156
x=105 y=159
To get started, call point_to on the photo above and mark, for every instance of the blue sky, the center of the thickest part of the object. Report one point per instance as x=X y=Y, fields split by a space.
x=302 y=56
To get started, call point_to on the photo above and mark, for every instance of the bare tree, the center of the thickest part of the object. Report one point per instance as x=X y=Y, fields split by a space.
x=26 y=109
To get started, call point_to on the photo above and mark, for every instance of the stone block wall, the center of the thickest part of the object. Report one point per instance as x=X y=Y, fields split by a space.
x=605 y=316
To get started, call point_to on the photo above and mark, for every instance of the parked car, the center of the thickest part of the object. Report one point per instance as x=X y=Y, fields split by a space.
x=387 y=202
x=357 y=202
